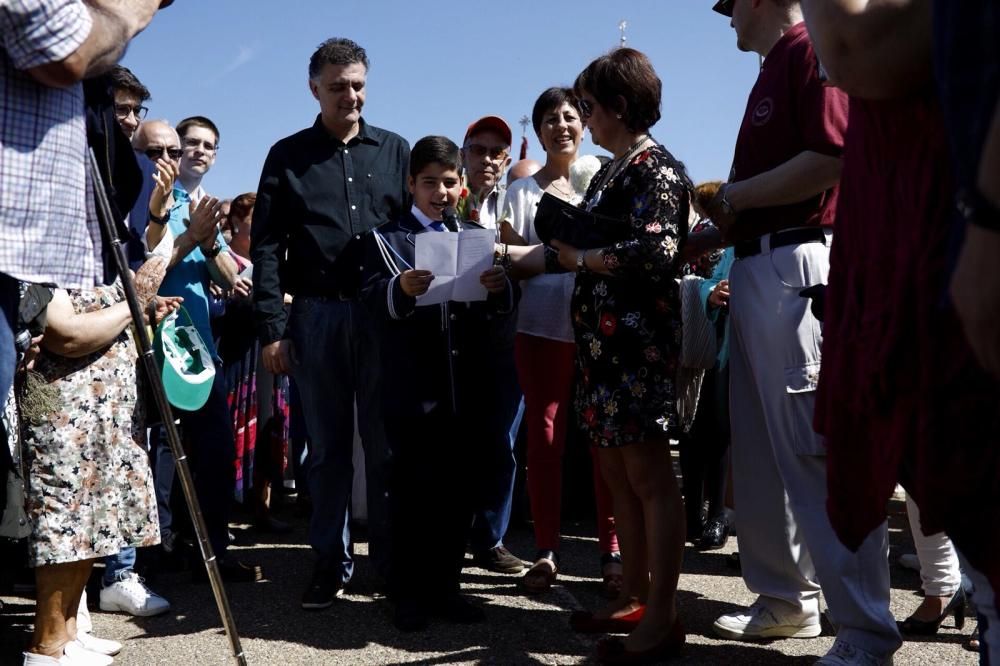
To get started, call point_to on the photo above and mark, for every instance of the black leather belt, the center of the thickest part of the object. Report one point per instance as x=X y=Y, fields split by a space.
x=753 y=246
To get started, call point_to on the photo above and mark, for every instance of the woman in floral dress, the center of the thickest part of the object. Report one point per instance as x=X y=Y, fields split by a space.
x=90 y=490
x=626 y=319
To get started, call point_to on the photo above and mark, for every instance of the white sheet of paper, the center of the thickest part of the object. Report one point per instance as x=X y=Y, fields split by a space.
x=456 y=260
x=475 y=256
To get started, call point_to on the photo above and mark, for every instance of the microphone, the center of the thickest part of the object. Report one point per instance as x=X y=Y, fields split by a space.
x=450 y=218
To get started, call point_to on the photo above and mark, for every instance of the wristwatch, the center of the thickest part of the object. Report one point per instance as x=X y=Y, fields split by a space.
x=581 y=261
x=214 y=252
x=159 y=220
x=978 y=210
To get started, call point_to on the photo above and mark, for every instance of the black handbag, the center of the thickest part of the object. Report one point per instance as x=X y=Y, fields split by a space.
x=560 y=220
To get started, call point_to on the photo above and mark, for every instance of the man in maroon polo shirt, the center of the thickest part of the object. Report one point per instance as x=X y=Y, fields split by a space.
x=777 y=210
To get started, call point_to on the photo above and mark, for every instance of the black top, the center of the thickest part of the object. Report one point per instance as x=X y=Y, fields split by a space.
x=447 y=356
x=317 y=197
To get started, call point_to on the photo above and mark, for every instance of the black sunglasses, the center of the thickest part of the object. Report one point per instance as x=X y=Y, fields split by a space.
x=157 y=153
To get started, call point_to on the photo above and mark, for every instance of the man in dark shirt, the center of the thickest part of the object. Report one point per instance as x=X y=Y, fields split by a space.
x=777 y=210
x=321 y=191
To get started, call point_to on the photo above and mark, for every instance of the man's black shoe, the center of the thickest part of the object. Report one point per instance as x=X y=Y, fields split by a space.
x=499 y=559
x=326 y=586
x=456 y=608
x=409 y=616
x=231 y=570
x=715 y=535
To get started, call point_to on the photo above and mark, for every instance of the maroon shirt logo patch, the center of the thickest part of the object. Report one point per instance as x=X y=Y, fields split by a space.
x=762 y=112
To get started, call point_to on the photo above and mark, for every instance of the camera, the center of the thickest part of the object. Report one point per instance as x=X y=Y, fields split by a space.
x=30 y=317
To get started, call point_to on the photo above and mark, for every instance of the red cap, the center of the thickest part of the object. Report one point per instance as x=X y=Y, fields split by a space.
x=493 y=124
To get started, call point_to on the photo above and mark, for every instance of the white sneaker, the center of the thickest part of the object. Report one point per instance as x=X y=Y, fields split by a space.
x=130 y=595
x=844 y=654
x=759 y=621
x=909 y=561
x=78 y=655
x=99 y=645
x=32 y=659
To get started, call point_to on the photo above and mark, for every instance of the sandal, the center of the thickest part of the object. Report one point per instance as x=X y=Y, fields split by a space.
x=611 y=574
x=542 y=574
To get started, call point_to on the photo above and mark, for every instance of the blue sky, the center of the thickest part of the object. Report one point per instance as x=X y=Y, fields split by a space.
x=434 y=68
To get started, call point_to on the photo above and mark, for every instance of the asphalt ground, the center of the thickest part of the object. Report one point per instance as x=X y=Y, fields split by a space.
x=519 y=630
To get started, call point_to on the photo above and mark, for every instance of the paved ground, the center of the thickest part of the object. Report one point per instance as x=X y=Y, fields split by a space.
x=521 y=630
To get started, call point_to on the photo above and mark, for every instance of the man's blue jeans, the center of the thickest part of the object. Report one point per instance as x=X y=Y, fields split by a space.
x=494 y=504
x=10 y=298
x=115 y=565
x=336 y=364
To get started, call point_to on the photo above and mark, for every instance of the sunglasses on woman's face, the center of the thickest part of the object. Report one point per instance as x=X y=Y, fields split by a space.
x=157 y=153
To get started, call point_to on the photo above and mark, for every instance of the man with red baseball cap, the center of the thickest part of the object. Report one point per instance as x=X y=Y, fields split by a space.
x=486 y=156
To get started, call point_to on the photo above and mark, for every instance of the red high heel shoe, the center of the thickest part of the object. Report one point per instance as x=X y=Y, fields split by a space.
x=584 y=622
x=613 y=650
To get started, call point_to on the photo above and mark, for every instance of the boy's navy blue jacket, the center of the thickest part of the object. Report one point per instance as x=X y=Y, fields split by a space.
x=453 y=355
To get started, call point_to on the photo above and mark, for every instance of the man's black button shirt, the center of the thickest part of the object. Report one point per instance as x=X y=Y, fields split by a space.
x=317 y=199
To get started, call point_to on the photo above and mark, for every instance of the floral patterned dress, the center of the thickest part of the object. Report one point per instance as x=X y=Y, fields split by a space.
x=90 y=490
x=628 y=325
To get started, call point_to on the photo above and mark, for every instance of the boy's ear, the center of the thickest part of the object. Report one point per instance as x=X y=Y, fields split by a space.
x=314 y=89
x=411 y=183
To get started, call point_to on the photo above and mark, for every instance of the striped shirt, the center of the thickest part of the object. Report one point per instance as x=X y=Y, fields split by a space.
x=48 y=228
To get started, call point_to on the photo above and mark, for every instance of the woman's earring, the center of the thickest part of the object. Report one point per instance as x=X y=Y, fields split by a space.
x=619 y=116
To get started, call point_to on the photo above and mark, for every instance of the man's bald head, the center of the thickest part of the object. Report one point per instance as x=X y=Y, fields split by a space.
x=155 y=133
x=522 y=169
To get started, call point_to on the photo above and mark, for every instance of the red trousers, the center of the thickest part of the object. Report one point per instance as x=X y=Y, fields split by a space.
x=545 y=370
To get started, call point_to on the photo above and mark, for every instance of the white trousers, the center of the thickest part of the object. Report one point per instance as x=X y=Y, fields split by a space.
x=940 y=573
x=788 y=549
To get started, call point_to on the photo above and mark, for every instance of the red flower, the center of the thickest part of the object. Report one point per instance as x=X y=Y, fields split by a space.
x=589 y=416
x=464 y=194
x=608 y=324
x=474 y=215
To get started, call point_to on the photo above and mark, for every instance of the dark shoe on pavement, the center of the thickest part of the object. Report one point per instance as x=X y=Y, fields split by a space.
x=715 y=535
x=231 y=570
x=456 y=608
x=409 y=616
x=500 y=560
x=326 y=586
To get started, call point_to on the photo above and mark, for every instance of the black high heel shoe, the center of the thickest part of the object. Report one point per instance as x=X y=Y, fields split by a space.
x=914 y=627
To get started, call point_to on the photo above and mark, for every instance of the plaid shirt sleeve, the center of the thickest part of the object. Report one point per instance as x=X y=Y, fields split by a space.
x=38 y=32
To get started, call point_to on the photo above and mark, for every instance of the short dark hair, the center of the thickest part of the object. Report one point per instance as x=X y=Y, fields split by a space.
x=552 y=98
x=336 y=51
x=625 y=82
x=434 y=150
x=197 y=121
x=122 y=78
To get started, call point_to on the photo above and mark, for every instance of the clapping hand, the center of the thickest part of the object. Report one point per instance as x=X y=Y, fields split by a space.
x=204 y=218
x=162 y=198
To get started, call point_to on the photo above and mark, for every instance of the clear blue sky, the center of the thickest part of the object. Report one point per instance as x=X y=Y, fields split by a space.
x=434 y=68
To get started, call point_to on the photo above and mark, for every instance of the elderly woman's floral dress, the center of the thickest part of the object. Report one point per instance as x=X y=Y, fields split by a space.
x=90 y=490
x=628 y=325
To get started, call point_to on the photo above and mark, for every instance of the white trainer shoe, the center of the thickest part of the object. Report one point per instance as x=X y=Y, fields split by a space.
x=844 y=654
x=78 y=655
x=32 y=659
x=130 y=595
x=99 y=645
x=759 y=622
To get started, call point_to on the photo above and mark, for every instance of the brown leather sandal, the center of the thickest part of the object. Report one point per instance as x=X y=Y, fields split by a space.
x=611 y=575
x=542 y=575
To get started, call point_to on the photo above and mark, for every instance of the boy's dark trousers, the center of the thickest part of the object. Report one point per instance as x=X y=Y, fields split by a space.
x=430 y=504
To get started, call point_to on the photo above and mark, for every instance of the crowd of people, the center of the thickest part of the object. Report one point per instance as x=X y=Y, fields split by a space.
x=822 y=325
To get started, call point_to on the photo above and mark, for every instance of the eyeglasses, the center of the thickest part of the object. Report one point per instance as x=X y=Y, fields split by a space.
x=157 y=153
x=586 y=108
x=207 y=146
x=496 y=153
x=122 y=111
